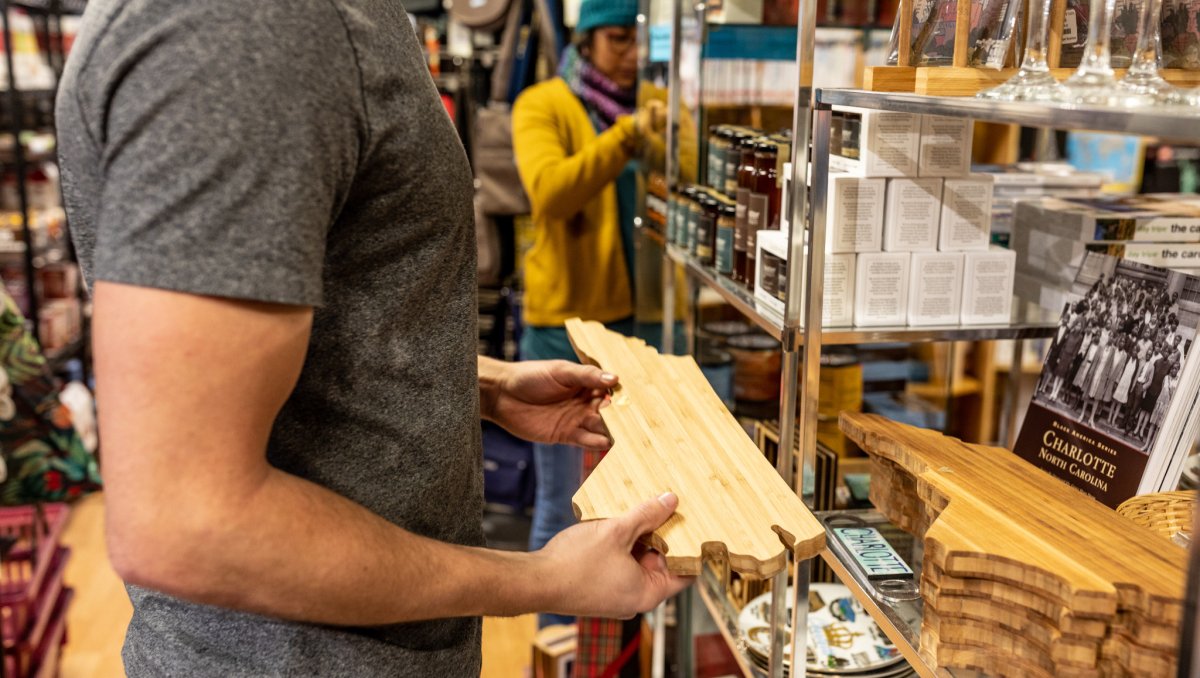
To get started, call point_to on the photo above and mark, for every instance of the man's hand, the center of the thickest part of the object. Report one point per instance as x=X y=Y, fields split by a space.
x=599 y=569
x=551 y=401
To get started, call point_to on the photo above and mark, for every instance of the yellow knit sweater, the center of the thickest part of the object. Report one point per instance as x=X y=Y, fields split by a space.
x=576 y=266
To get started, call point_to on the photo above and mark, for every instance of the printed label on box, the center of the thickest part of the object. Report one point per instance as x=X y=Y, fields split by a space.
x=838 y=300
x=988 y=279
x=966 y=214
x=912 y=216
x=935 y=288
x=945 y=146
x=855 y=214
x=881 y=289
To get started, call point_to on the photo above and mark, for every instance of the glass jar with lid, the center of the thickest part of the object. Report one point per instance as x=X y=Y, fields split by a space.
x=706 y=229
x=726 y=228
x=746 y=181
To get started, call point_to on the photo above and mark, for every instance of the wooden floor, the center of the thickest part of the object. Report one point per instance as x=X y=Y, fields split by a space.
x=100 y=612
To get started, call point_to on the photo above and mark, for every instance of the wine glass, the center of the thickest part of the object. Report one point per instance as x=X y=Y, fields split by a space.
x=1094 y=82
x=1142 y=85
x=1033 y=81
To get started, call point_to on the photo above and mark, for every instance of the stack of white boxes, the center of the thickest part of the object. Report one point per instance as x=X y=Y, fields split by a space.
x=909 y=228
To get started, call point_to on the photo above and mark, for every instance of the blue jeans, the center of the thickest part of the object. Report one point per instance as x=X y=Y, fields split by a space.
x=558 y=469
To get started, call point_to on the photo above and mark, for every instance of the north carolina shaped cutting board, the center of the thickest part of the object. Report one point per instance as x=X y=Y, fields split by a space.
x=672 y=433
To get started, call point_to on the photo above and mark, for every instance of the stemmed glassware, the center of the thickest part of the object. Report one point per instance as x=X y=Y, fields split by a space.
x=1033 y=81
x=1142 y=84
x=1094 y=82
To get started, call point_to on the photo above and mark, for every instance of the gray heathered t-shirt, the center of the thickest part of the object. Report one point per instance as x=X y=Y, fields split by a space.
x=295 y=151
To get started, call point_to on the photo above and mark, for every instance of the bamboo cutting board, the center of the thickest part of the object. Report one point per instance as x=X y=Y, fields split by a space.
x=1019 y=566
x=672 y=433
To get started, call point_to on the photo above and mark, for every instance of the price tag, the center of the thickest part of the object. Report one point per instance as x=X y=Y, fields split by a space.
x=874 y=555
x=1070 y=28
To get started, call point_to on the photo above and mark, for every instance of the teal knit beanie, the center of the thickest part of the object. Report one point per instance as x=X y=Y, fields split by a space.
x=597 y=13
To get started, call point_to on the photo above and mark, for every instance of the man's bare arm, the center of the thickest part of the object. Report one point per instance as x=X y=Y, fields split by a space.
x=188 y=390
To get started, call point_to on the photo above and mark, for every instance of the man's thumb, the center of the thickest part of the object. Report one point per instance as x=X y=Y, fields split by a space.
x=648 y=516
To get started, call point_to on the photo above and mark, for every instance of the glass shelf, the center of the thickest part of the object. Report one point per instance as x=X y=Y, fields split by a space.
x=733 y=293
x=1179 y=123
x=725 y=616
x=1029 y=321
x=900 y=621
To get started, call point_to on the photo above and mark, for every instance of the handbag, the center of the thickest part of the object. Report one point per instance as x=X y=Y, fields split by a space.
x=481 y=15
x=499 y=190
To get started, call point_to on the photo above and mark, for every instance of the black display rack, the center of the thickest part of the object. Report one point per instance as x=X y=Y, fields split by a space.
x=22 y=110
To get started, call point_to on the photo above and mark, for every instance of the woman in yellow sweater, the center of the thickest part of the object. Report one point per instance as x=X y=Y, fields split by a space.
x=575 y=137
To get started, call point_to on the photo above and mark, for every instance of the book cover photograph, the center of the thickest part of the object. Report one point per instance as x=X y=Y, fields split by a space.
x=1114 y=411
x=1181 y=34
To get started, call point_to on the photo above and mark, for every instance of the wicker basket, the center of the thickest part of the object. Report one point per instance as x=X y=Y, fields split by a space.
x=1167 y=513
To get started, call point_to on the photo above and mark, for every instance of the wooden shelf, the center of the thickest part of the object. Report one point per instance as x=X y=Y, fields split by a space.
x=967 y=81
x=962 y=387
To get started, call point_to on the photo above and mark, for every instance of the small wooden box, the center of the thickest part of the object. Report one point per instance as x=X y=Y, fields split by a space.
x=554 y=652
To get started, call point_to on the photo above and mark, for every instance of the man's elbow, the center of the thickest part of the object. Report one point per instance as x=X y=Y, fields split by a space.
x=164 y=554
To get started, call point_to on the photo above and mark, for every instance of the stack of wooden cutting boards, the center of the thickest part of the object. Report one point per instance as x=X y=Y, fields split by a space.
x=1023 y=575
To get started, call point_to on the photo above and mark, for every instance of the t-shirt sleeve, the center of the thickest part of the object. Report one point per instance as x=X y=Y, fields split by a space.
x=229 y=135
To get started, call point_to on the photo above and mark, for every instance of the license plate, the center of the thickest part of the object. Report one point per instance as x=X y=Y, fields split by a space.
x=873 y=554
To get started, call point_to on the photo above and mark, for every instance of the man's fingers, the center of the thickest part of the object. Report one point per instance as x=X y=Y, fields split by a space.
x=660 y=582
x=646 y=517
x=584 y=376
x=595 y=424
x=591 y=441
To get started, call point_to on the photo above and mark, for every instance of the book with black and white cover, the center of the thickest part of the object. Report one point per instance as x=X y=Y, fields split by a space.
x=1115 y=412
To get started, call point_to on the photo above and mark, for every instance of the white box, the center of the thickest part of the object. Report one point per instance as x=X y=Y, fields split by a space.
x=881 y=289
x=912 y=215
x=966 y=214
x=837 y=308
x=988 y=279
x=935 y=288
x=771 y=255
x=854 y=211
x=945 y=146
x=886 y=145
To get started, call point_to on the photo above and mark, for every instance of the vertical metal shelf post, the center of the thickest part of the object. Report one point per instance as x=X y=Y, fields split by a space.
x=671 y=171
x=803 y=298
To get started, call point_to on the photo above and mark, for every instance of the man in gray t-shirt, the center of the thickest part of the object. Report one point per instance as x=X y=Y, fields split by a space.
x=274 y=214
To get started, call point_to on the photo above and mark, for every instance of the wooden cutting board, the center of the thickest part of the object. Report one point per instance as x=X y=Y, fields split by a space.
x=1018 y=564
x=671 y=432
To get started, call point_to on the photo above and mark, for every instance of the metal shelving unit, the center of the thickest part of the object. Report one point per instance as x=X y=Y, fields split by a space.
x=1029 y=321
x=799 y=327
x=1182 y=123
x=22 y=110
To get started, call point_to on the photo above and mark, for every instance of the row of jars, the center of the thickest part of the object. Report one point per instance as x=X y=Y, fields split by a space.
x=718 y=222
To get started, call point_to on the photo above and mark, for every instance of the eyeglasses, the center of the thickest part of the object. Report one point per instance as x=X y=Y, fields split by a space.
x=621 y=40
